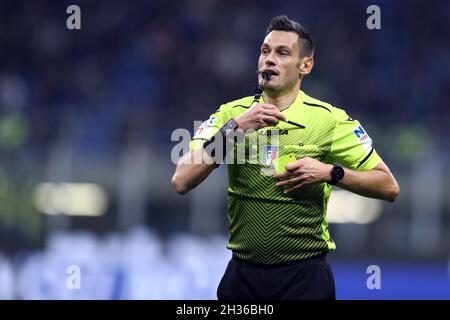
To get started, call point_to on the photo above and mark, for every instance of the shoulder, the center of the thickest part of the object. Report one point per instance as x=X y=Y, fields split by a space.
x=228 y=110
x=324 y=109
x=240 y=103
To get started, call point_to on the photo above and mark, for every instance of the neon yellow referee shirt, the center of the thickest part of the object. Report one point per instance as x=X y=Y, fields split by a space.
x=265 y=225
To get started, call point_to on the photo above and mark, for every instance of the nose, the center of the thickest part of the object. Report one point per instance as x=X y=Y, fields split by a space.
x=270 y=60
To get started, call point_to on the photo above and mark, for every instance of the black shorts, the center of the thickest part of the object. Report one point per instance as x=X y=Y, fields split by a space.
x=310 y=279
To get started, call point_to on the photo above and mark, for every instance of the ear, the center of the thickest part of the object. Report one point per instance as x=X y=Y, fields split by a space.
x=306 y=65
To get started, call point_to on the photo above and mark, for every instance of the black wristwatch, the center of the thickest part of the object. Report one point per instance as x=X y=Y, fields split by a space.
x=337 y=173
x=222 y=135
x=229 y=125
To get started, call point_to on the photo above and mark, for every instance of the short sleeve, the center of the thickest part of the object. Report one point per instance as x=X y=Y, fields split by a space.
x=207 y=129
x=351 y=146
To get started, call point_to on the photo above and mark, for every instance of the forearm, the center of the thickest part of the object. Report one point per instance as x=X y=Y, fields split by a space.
x=195 y=166
x=191 y=170
x=378 y=183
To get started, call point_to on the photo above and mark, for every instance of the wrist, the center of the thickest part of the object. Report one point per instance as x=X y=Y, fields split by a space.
x=218 y=146
x=327 y=173
x=238 y=124
x=230 y=126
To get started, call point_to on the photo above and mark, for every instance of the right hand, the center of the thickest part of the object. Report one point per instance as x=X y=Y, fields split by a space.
x=259 y=116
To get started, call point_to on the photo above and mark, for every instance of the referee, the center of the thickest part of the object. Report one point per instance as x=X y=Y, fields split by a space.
x=278 y=231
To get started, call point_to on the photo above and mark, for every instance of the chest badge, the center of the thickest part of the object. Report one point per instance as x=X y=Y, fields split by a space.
x=270 y=153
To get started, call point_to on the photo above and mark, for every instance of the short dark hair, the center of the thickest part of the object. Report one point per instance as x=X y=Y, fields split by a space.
x=283 y=23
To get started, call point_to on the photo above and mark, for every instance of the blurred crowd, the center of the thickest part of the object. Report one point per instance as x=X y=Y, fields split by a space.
x=139 y=264
x=135 y=265
x=135 y=70
x=75 y=103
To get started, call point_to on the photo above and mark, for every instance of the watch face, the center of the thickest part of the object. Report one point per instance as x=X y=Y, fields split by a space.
x=231 y=124
x=338 y=172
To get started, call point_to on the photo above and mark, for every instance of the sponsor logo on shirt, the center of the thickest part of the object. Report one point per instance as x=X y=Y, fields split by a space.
x=273 y=132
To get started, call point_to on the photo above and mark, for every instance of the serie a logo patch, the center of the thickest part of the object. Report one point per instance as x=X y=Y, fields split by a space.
x=205 y=127
x=363 y=137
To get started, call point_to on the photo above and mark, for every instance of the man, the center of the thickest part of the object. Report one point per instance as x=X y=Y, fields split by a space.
x=278 y=231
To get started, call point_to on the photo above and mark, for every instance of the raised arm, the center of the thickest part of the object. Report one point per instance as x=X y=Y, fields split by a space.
x=189 y=172
x=197 y=164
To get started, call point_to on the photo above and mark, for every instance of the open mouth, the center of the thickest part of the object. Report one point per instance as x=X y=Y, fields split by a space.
x=271 y=72
x=268 y=74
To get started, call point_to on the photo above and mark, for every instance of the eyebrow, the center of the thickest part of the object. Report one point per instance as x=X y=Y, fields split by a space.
x=282 y=47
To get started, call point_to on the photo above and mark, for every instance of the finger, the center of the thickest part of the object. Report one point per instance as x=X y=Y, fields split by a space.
x=296 y=187
x=269 y=106
x=270 y=120
x=279 y=175
x=287 y=174
x=283 y=175
x=292 y=181
x=291 y=166
x=274 y=113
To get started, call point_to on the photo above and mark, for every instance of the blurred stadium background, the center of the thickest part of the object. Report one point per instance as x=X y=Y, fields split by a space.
x=85 y=142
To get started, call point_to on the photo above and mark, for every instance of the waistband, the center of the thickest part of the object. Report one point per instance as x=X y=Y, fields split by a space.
x=319 y=257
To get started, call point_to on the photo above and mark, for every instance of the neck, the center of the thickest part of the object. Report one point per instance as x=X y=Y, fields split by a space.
x=281 y=100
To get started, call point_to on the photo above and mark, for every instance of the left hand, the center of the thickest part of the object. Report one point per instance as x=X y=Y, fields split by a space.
x=303 y=172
